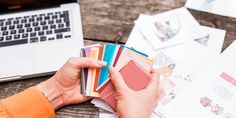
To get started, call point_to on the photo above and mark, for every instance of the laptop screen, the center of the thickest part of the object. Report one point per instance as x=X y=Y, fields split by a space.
x=19 y=5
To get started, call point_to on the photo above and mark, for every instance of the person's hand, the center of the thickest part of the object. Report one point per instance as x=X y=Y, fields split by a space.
x=135 y=104
x=64 y=87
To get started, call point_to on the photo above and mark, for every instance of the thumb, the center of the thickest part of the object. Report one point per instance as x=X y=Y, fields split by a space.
x=117 y=80
x=85 y=62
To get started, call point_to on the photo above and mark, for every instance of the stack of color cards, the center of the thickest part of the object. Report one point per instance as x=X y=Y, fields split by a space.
x=134 y=67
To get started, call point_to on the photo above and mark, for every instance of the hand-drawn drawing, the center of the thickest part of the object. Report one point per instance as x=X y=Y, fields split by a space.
x=167 y=29
x=204 y=40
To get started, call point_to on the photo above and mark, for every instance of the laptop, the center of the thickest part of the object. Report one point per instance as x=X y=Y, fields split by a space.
x=37 y=36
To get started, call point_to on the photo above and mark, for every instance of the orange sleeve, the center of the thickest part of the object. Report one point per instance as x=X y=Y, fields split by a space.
x=30 y=103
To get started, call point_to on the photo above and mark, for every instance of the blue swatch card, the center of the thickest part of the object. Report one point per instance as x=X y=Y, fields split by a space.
x=107 y=57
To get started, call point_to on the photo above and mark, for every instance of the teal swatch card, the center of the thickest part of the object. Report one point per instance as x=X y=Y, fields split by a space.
x=107 y=57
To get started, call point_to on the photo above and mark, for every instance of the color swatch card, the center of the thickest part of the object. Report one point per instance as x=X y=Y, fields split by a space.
x=124 y=56
x=91 y=78
x=109 y=56
x=133 y=65
x=135 y=77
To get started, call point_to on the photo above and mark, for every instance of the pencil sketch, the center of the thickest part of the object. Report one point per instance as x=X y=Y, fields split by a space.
x=167 y=28
x=204 y=40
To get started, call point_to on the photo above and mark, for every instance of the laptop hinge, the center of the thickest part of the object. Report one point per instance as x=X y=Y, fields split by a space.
x=38 y=75
x=19 y=77
x=4 y=79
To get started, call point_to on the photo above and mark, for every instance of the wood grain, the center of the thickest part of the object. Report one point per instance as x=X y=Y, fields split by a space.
x=111 y=21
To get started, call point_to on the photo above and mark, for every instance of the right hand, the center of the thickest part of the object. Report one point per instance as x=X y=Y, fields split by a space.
x=135 y=104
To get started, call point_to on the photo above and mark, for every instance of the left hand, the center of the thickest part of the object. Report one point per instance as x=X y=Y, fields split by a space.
x=64 y=87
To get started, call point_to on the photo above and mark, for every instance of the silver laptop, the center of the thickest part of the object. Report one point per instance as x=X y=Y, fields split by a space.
x=37 y=36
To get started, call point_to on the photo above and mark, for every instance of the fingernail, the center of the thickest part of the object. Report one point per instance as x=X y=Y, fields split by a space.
x=102 y=63
x=111 y=70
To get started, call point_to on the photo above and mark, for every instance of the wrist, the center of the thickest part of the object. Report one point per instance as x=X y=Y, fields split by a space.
x=137 y=113
x=133 y=114
x=50 y=91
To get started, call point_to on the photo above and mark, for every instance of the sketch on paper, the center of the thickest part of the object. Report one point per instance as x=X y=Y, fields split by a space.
x=204 y=40
x=167 y=29
x=172 y=80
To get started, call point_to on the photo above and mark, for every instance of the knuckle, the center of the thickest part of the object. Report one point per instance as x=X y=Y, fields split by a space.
x=90 y=60
x=71 y=59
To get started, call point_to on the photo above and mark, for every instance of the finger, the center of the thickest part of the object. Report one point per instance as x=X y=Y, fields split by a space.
x=117 y=80
x=153 y=85
x=87 y=62
x=84 y=99
x=161 y=94
x=80 y=99
x=163 y=70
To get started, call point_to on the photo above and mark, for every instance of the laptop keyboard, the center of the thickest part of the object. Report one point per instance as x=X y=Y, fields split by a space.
x=35 y=28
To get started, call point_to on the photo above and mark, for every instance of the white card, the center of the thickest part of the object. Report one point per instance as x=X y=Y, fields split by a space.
x=220 y=7
x=169 y=28
x=213 y=39
x=102 y=104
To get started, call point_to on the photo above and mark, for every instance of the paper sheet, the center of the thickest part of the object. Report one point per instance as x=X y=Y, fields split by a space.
x=169 y=28
x=107 y=115
x=220 y=7
x=213 y=94
x=213 y=39
x=101 y=104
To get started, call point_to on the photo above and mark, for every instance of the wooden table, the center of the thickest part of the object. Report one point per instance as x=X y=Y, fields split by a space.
x=111 y=21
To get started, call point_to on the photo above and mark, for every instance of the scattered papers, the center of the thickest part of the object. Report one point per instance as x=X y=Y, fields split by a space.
x=179 y=48
x=212 y=39
x=213 y=94
x=220 y=7
x=178 y=61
